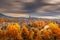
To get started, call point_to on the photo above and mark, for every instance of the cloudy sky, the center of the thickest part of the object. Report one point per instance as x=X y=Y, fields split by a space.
x=30 y=7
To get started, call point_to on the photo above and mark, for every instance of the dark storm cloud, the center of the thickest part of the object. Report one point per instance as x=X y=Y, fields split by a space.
x=28 y=6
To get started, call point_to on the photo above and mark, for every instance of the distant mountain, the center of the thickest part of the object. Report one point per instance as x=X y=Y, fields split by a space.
x=40 y=17
x=4 y=16
x=1 y=15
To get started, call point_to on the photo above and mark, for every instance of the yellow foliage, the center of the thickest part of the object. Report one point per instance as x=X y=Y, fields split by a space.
x=55 y=29
x=17 y=26
x=12 y=30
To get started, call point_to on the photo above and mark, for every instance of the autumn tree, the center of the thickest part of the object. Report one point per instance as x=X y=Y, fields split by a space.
x=31 y=34
x=55 y=29
x=13 y=31
x=25 y=32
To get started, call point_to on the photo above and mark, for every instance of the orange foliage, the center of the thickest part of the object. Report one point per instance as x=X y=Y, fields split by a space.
x=31 y=34
x=37 y=35
x=40 y=24
x=2 y=20
x=46 y=34
x=13 y=31
x=55 y=29
x=25 y=30
x=48 y=21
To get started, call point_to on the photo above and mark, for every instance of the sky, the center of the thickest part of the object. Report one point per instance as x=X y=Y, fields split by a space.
x=30 y=7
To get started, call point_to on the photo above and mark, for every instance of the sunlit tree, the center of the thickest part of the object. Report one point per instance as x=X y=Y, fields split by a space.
x=55 y=29
x=12 y=31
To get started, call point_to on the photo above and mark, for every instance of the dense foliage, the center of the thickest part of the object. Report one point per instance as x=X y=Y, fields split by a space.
x=36 y=30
